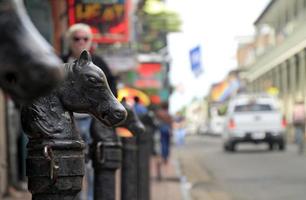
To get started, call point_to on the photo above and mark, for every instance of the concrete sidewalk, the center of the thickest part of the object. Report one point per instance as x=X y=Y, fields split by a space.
x=17 y=195
x=168 y=187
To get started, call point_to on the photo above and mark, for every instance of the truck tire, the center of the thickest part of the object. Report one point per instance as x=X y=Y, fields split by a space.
x=271 y=146
x=232 y=147
x=282 y=145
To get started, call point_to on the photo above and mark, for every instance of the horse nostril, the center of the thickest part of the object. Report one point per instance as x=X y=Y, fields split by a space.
x=119 y=114
x=10 y=77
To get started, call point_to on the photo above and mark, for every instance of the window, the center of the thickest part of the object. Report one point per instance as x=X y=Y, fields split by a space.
x=297 y=73
x=288 y=74
x=295 y=9
x=253 y=108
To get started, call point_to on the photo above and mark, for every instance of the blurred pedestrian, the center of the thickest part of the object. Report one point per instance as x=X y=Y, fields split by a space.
x=79 y=38
x=179 y=129
x=165 y=128
x=139 y=108
x=299 y=123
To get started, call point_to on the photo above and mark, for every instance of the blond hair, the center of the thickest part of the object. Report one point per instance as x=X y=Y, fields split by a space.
x=78 y=27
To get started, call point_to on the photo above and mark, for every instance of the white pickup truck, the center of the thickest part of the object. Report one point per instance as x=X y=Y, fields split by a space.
x=254 y=118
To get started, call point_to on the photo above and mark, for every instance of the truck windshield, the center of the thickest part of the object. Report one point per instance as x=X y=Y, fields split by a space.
x=252 y=108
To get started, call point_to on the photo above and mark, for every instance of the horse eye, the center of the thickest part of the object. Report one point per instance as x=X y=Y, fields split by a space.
x=92 y=79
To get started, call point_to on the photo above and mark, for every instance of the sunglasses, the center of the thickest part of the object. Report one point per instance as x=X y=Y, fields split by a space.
x=76 y=39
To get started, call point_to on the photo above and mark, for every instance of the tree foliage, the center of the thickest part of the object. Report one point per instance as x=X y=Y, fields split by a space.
x=159 y=17
x=157 y=21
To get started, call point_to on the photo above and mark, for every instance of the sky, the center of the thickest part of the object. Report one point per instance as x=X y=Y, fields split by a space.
x=216 y=26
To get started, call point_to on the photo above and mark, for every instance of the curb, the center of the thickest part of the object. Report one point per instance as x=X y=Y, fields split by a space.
x=185 y=186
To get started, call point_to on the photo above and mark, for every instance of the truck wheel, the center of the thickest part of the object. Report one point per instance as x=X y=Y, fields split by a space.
x=282 y=145
x=225 y=148
x=232 y=147
x=271 y=145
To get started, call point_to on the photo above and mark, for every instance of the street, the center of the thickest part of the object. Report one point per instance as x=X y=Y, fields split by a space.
x=251 y=173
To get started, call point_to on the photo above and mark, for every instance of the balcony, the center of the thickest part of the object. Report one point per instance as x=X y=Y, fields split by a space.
x=294 y=43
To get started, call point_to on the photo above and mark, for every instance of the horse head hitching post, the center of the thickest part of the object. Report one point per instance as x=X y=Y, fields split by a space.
x=55 y=163
x=107 y=155
x=129 y=176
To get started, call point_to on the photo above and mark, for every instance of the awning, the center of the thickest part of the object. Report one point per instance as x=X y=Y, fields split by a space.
x=129 y=93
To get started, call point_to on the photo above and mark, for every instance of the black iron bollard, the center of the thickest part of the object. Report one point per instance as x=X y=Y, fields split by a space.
x=144 y=142
x=55 y=163
x=107 y=158
x=143 y=166
x=107 y=161
x=129 y=175
x=106 y=155
x=55 y=169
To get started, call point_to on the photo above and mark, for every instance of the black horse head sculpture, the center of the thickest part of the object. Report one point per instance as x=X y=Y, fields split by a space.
x=28 y=66
x=85 y=90
x=55 y=163
x=107 y=155
x=132 y=123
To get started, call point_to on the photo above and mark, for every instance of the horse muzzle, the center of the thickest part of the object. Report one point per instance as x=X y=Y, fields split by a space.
x=113 y=117
x=136 y=127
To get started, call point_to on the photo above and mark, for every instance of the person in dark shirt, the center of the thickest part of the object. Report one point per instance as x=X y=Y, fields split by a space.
x=298 y=120
x=79 y=38
x=138 y=107
x=165 y=128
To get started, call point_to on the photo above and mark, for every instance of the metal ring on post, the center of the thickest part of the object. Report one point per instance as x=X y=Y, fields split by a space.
x=54 y=168
x=100 y=155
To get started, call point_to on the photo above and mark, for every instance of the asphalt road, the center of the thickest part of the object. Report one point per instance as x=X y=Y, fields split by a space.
x=251 y=173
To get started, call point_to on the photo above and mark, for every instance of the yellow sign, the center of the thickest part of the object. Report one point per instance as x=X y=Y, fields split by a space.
x=272 y=91
x=99 y=11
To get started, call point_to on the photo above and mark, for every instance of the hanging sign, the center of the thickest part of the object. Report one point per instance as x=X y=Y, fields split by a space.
x=108 y=20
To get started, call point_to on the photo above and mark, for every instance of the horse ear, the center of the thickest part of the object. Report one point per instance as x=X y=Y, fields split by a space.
x=84 y=58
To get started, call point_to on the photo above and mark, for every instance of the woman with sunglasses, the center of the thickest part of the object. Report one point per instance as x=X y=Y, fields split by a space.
x=79 y=38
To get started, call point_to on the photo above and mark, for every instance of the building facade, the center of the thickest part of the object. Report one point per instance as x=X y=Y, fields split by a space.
x=281 y=59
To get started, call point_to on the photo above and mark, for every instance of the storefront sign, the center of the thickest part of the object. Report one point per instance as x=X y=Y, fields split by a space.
x=149 y=76
x=109 y=21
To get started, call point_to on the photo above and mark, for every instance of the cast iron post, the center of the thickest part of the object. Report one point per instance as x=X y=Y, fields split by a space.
x=143 y=166
x=106 y=156
x=55 y=169
x=55 y=163
x=143 y=158
x=129 y=169
x=129 y=176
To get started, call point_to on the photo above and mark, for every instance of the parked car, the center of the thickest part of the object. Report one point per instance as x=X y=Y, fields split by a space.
x=254 y=118
x=216 y=125
x=215 y=121
x=203 y=128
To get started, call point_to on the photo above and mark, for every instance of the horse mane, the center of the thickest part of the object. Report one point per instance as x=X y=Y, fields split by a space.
x=68 y=68
x=46 y=117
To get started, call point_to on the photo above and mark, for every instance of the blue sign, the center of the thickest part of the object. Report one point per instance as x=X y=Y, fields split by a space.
x=195 y=60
